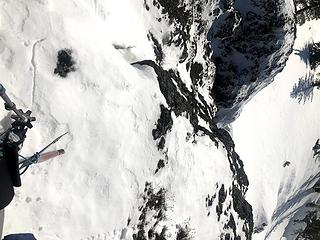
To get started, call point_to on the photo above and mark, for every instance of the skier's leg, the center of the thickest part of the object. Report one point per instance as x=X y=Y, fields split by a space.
x=1 y=221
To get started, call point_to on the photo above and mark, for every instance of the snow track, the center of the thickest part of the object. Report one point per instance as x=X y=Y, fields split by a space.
x=34 y=66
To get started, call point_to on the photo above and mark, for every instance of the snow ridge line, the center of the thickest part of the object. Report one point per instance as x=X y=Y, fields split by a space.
x=34 y=66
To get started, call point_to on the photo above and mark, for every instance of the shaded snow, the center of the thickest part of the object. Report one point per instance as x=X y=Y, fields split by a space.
x=274 y=128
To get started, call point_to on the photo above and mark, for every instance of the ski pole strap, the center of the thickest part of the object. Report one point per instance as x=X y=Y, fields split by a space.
x=38 y=158
x=29 y=161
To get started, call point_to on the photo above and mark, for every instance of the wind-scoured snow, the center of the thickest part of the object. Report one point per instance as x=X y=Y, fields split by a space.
x=274 y=129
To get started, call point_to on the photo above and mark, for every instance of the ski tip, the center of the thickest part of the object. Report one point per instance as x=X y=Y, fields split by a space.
x=64 y=134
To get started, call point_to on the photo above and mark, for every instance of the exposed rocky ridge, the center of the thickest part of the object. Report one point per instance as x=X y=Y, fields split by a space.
x=229 y=49
x=251 y=43
x=191 y=105
x=198 y=72
x=182 y=40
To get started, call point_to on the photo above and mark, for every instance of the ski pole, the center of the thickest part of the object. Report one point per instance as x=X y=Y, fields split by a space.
x=9 y=105
x=40 y=156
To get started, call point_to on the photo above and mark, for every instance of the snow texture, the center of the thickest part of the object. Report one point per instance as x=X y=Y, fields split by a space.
x=107 y=185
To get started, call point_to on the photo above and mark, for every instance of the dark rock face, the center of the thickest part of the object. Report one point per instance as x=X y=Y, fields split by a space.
x=164 y=125
x=153 y=210
x=312 y=230
x=231 y=48
x=65 y=63
x=221 y=198
x=189 y=22
x=251 y=42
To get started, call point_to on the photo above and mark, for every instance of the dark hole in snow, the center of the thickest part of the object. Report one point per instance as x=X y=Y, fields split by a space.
x=286 y=164
x=65 y=63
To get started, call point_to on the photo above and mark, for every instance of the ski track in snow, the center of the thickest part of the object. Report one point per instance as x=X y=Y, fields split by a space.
x=34 y=67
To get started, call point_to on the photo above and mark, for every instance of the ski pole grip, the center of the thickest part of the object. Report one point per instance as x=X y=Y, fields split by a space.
x=8 y=103
x=49 y=155
x=2 y=89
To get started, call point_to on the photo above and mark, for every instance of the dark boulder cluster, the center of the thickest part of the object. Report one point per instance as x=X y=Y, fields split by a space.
x=152 y=212
x=65 y=63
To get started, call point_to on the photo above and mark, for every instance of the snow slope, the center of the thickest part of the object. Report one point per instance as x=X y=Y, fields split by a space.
x=111 y=184
x=105 y=107
x=144 y=156
x=272 y=129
